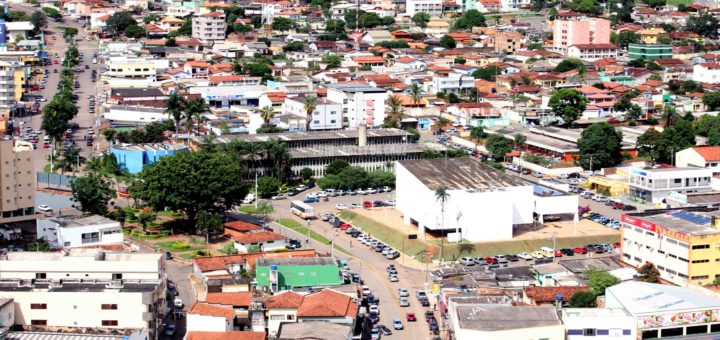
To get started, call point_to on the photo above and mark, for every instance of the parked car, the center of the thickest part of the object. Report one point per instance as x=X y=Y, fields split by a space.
x=567 y=252
x=397 y=324
x=178 y=302
x=410 y=317
x=341 y=206
x=525 y=256
x=170 y=329
x=628 y=207
x=404 y=302
x=367 y=204
x=468 y=261
x=384 y=330
x=44 y=208
x=537 y=255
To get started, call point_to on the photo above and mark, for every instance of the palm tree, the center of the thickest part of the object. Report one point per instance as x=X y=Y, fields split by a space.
x=267 y=113
x=193 y=110
x=442 y=195
x=174 y=107
x=415 y=93
x=394 y=111
x=670 y=115
x=310 y=106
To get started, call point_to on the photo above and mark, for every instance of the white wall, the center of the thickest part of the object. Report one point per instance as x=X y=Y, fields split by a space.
x=75 y=267
x=278 y=316
x=356 y=106
x=327 y=116
x=71 y=237
x=205 y=323
x=553 y=205
x=534 y=333
x=574 y=319
x=126 y=115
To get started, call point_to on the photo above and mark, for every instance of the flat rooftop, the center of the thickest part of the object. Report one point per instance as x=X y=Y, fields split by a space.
x=137 y=92
x=317 y=330
x=85 y=253
x=297 y=261
x=500 y=317
x=135 y=287
x=60 y=336
x=463 y=173
x=313 y=135
x=641 y=297
x=69 y=221
x=696 y=223
x=149 y=147
x=354 y=150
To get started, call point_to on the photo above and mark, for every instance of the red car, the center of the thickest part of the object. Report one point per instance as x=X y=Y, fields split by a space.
x=558 y=253
x=616 y=245
x=580 y=250
x=410 y=317
x=345 y=226
x=46 y=145
x=613 y=120
x=55 y=62
x=618 y=205
x=491 y=260
x=367 y=204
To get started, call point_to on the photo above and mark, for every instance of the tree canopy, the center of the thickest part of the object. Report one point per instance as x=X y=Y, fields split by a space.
x=471 y=18
x=603 y=142
x=282 y=24
x=447 y=42
x=711 y=100
x=568 y=105
x=92 y=192
x=599 y=280
x=569 y=64
x=498 y=146
x=421 y=19
x=705 y=25
x=119 y=21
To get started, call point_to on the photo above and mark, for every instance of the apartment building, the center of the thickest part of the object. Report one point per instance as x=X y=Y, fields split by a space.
x=17 y=181
x=432 y=7
x=327 y=114
x=706 y=73
x=580 y=30
x=131 y=68
x=592 y=52
x=209 y=27
x=654 y=185
x=452 y=83
x=85 y=290
x=683 y=245
x=8 y=98
x=649 y=51
x=360 y=104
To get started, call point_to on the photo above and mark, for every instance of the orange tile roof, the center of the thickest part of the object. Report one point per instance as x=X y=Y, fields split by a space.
x=214 y=14
x=327 y=303
x=264 y=236
x=548 y=294
x=197 y=64
x=232 y=335
x=710 y=153
x=213 y=263
x=285 y=300
x=241 y=226
x=231 y=299
x=210 y=310
x=373 y=59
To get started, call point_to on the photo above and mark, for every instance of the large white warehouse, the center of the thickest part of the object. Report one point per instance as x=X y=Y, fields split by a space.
x=483 y=203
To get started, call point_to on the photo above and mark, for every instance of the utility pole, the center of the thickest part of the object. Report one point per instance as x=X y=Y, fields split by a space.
x=256 y=192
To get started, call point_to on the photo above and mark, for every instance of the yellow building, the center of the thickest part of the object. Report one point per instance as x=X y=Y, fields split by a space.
x=684 y=245
x=20 y=82
x=614 y=184
x=651 y=35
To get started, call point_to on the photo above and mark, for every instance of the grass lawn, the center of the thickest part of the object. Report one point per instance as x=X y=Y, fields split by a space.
x=175 y=246
x=250 y=209
x=387 y=235
x=678 y=2
x=303 y=230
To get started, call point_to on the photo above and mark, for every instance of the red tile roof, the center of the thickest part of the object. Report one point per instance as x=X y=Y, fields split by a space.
x=215 y=14
x=197 y=64
x=213 y=263
x=710 y=153
x=264 y=236
x=232 y=335
x=327 y=303
x=230 y=298
x=285 y=300
x=548 y=294
x=210 y=310
x=241 y=226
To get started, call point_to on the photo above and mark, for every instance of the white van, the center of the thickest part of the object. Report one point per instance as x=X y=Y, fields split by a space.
x=249 y=199
x=548 y=252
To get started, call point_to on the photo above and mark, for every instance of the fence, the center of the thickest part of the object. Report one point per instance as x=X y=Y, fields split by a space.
x=53 y=180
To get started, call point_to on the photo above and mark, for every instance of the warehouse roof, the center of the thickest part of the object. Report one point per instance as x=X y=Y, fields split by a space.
x=499 y=317
x=314 y=135
x=641 y=297
x=465 y=173
x=297 y=261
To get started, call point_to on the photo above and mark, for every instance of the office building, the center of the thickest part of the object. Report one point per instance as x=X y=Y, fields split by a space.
x=8 y=98
x=655 y=185
x=209 y=27
x=79 y=231
x=580 y=31
x=134 y=157
x=361 y=105
x=649 y=52
x=682 y=244
x=17 y=181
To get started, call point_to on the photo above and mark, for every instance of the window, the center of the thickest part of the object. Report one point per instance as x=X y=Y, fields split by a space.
x=701 y=261
x=673 y=256
x=589 y=332
x=649 y=233
x=117 y=276
x=38 y=322
x=277 y=317
x=38 y=306
x=40 y=275
x=701 y=246
x=290 y=317
x=109 y=323
x=700 y=277
x=108 y=306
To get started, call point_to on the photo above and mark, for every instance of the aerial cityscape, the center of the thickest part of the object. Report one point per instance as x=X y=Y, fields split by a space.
x=368 y=169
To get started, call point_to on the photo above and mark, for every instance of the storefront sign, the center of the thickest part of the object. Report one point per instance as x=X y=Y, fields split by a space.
x=673 y=234
x=634 y=221
x=678 y=319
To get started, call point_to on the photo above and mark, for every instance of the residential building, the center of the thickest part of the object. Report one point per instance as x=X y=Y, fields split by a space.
x=231 y=335
x=328 y=305
x=361 y=105
x=452 y=83
x=432 y=7
x=203 y=317
x=513 y=5
x=292 y=273
x=655 y=185
x=706 y=73
x=580 y=31
x=661 y=311
x=599 y=324
x=489 y=322
x=170 y=23
x=327 y=114
x=592 y=52
x=282 y=308
x=79 y=231
x=85 y=290
x=701 y=157
x=650 y=35
x=209 y=27
x=15 y=29
x=17 y=181
x=8 y=96
x=649 y=52
x=681 y=244
x=260 y=240
x=508 y=42
x=134 y=157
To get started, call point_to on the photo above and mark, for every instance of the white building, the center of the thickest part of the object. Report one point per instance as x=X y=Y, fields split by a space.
x=18 y=28
x=228 y=96
x=654 y=185
x=85 y=290
x=135 y=114
x=79 y=231
x=512 y=5
x=661 y=311
x=599 y=324
x=491 y=322
x=8 y=99
x=360 y=104
x=592 y=52
x=701 y=157
x=327 y=114
x=453 y=83
x=209 y=27
x=432 y=7
x=202 y=317
x=706 y=73
x=132 y=68
x=483 y=203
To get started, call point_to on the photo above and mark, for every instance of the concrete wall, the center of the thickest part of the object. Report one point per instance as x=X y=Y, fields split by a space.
x=615 y=325
x=554 y=205
x=58 y=236
x=279 y=316
x=556 y=332
x=552 y=172
x=205 y=323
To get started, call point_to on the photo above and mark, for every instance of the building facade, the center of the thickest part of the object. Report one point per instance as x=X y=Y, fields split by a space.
x=706 y=73
x=327 y=114
x=649 y=52
x=655 y=185
x=592 y=52
x=361 y=105
x=209 y=27
x=581 y=30
x=702 y=157
x=432 y=7
x=79 y=231
x=133 y=158
x=17 y=183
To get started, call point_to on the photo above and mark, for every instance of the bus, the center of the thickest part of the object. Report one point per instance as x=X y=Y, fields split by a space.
x=302 y=209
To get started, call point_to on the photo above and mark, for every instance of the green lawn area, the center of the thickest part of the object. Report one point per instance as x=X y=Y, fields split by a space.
x=303 y=230
x=387 y=235
x=250 y=209
x=678 y=2
x=175 y=246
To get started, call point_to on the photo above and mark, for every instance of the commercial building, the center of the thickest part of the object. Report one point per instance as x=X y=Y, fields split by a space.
x=291 y=273
x=682 y=244
x=579 y=31
x=484 y=204
x=8 y=75
x=227 y=96
x=655 y=185
x=209 y=27
x=361 y=105
x=17 y=181
x=328 y=305
x=134 y=157
x=87 y=291
x=599 y=324
x=432 y=7
x=649 y=52
x=706 y=73
x=661 y=311
x=79 y=231
x=489 y=322
x=130 y=68
x=327 y=115
x=119 y=114
x=707 y=157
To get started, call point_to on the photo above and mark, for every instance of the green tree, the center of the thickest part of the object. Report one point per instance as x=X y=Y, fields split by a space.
x=488 y=73
x=599 y=280
x=442 y=195
x=51 y=12
x=208 y=223
x=477 y=133
x=282 y=24
x=210 y=182
x=714 y=136
x=267 y=114
x=603 y=142
x=119 y=21
x=648 y=144
x=387 y=20
x=335 y=167
x=586 y=6
x=711 y=100
x=39 y=21
x=625 y=38
x=134 y=31
x=654 y=3
x=174 y=107
x=447 y=42
x=705 y=124
x=634 y=112
x=306 y=173
x=471 y=18
x=569 y=64
x=415 y=93
x=583 y=300
x=648 y=273
x=228 y=249
x=151 y=18
x=92 y=192
x=309 y=104
x=653 y=66
x=370 y=20
x=394 y=112
x=335 y=26
x=331 y=60
x=568 y=104
x=294 y=46
x=184 y=31
x=677 y=137
x=38 y=244
x=498 y=146
x=520 y=139
x=259 y=69
x=193 y=110
x=268 y=186
x=705 y=25
x=421 y=19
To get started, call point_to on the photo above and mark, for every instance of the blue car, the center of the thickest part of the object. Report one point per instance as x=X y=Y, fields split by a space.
x=311 y=200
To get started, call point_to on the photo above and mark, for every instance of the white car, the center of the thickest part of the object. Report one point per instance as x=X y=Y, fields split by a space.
x=362 y=192
x=389 y=202
x=44 y=208
x=537 y=255
x=525 y=256
x=387 y=189
x=279 y=197
x=403 y=292
x=178 y=302
x=366 y=290
x=374 y=308
x=341 y=206
x=393 y=278
x=372 y=191
x=321 y=194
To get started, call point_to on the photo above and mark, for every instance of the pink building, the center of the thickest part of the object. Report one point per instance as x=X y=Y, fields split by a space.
x=580 y=31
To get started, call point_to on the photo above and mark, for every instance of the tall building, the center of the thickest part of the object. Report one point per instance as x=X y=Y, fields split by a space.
x=17 y=181
x=580 y=31
x=209 y=27
x=432 y=7
x=361 y=105
x=8 y=96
